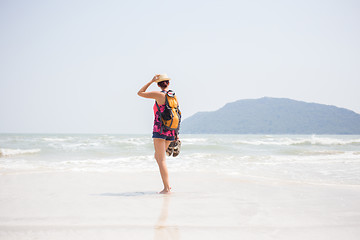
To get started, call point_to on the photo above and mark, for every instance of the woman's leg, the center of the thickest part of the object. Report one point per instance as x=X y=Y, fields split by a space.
x=160 y=146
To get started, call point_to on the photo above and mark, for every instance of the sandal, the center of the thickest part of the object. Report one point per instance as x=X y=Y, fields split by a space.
x=176 y=148
x=170 y=149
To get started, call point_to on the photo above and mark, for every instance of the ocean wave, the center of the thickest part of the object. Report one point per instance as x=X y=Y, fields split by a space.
x=193 y=140
x=78 y=143
x=327 y=141
x=322 y=152
x=305 y=152
x=131 y=141
x=120 y=164
x=57 y=139
x=6 y=152
x=304 y=141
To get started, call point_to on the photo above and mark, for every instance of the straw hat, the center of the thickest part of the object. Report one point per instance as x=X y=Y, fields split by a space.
x=162 y=77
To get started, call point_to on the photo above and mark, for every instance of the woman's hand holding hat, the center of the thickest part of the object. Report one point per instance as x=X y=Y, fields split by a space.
x=155 y=78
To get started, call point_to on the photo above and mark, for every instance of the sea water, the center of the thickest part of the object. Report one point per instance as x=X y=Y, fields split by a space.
x=313 y=159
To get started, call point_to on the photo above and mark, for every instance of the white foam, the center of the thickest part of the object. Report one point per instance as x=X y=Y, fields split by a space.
x=56 y=139
x=131 y=141
x=193 y=140
x=5 y=152
x=313 y=140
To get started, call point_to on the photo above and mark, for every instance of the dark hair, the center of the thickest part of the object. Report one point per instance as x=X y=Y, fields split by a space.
x=163 y=84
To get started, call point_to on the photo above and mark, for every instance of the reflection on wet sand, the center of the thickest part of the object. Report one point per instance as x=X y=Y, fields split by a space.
x=162 y=230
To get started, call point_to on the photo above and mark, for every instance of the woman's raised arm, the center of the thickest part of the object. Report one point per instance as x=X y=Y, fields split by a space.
x=154 y=95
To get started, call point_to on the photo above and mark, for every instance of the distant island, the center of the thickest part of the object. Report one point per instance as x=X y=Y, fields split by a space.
x=274 y=116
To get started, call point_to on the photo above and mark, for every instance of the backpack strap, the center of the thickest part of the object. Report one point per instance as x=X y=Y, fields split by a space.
x=167 y=104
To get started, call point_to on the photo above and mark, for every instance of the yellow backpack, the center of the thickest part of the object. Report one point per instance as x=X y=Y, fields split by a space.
x=171 y=117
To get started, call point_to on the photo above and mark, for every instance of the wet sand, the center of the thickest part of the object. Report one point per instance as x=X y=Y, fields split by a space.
x=84 y=205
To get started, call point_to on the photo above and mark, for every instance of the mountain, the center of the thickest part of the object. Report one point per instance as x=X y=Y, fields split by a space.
x=274 y=116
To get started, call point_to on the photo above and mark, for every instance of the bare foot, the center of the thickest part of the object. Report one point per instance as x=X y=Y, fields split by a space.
x=165 y=191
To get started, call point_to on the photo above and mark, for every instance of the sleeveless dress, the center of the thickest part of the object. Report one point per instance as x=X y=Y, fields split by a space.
x=157 y=122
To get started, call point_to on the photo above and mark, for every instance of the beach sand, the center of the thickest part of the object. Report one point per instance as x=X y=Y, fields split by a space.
x=86 y=205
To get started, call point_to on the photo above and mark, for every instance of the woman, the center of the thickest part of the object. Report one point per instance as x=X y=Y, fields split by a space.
x=162 y=137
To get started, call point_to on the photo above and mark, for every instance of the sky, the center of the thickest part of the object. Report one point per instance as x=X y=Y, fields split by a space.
x=76 y=66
